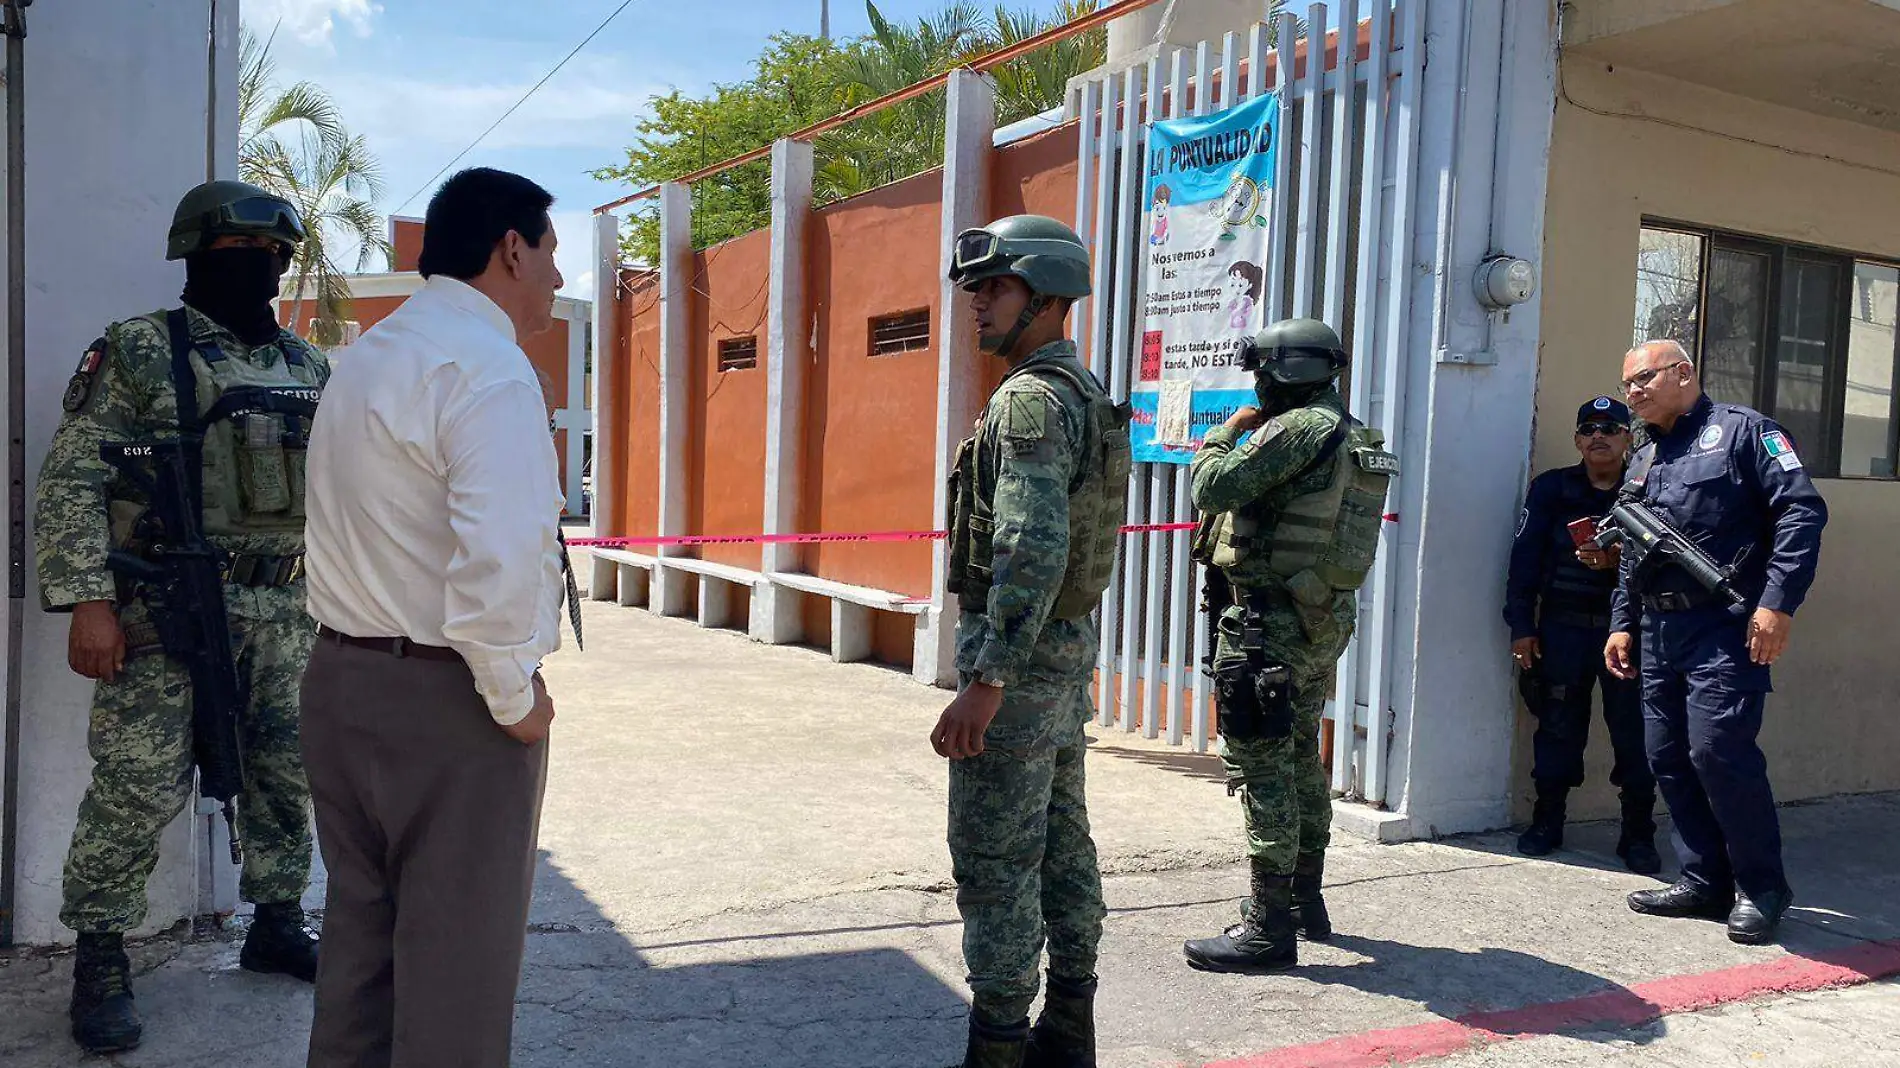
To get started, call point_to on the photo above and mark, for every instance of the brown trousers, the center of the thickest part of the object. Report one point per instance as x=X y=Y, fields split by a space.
x=426 y=817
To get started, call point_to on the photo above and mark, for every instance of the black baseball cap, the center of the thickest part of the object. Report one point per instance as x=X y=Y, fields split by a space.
x=1603 y=410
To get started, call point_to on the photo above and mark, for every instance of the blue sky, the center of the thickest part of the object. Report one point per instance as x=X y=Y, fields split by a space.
x=422 y=78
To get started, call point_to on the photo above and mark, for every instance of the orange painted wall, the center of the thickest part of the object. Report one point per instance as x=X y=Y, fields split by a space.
x=870 y=421
x=636 y=439
x=405 y=239
x=725 y=437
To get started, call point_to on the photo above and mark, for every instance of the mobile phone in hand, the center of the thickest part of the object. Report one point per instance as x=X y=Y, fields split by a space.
x=1583 y=532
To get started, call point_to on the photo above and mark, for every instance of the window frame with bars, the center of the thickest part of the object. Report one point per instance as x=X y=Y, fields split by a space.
x=746 y=349
x=918 y=338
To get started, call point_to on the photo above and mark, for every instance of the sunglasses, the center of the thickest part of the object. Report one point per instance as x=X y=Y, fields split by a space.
x=1642 y=379
x=1608 y=430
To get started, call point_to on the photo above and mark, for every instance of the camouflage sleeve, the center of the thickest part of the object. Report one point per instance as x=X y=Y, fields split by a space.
x=1230 y=471
x=1030 y=547
x=71 y=526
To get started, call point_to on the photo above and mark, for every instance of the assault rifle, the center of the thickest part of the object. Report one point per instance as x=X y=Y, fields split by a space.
x=179 y=576
x=1652 y=541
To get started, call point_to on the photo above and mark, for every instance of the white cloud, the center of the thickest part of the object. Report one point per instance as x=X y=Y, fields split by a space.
x=585 y=106
x=311 y=21
x=575 y=253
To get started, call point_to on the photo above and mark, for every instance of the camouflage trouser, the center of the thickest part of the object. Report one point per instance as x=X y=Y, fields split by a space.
x=140 y=739
x=1285 y=796
x=1019 y=834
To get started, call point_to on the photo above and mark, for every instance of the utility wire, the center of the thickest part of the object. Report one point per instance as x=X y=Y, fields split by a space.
x=516 y=106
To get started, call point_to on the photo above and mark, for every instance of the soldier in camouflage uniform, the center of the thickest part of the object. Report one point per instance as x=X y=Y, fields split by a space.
x=1037 y=498
x=236 y=241
x=1292 y=494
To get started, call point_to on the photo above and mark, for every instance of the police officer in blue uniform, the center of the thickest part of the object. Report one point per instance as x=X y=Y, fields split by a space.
x=1557 y=604
x=1730 y=478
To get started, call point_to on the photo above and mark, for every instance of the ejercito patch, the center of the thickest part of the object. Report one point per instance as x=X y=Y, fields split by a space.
x=79 y=389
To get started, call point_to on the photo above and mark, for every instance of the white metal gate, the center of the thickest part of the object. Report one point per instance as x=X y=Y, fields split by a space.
x=1345 y=184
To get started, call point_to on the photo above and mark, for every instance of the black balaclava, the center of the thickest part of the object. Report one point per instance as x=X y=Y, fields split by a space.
x=1276 y=399
x=237 y=289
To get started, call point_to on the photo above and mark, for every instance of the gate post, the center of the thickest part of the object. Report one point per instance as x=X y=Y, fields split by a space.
x=970 y=126
x=676 y=279
x=775 y=615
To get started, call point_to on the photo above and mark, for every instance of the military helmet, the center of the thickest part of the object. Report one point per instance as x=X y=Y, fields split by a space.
x=218 y=208
x=1048 y=256
x=1296 y=352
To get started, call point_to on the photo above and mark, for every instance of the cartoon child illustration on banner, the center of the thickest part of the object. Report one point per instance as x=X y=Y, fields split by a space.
x=1160 y=235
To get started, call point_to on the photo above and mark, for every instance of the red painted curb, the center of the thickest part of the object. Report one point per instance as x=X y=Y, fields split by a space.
x=1619 y=1008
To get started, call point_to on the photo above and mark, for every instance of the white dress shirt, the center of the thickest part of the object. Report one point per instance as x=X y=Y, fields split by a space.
x=433 y=495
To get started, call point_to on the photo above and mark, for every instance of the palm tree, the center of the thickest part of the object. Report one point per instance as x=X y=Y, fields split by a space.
x=1040 y=80
x=293 y=143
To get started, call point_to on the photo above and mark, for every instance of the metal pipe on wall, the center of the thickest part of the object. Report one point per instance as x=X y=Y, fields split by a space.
x=15 y=30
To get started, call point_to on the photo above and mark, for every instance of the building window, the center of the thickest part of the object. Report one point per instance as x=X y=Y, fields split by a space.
x=905 y=332
x=739 y=353
x=1804 y=335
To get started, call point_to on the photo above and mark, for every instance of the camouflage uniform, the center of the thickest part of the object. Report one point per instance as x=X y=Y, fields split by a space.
x=140 y=735
x=1019 y=828
x=1285 y=797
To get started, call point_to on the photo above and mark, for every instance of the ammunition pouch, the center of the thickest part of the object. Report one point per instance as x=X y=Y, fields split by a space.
x=1256 y=699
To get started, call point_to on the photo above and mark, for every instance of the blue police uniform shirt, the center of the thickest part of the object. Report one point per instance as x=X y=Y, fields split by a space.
x=1730 y=478
x=1544 y=564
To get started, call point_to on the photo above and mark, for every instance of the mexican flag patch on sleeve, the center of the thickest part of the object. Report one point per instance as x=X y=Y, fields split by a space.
x=1781 y=450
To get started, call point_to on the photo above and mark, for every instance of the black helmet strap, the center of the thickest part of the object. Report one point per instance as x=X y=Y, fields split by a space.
x=1037 y=302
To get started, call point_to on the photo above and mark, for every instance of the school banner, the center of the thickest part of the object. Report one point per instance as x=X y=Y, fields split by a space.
x=1210 y=201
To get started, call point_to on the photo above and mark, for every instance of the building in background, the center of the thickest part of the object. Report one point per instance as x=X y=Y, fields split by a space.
x=563 y=354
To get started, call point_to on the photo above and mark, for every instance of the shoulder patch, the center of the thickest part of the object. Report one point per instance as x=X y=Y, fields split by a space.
x=1711 y=437
x=1274 y=428
x=79 y=389
x=1523 y=520
x=1780 y=449
x=1026 y=414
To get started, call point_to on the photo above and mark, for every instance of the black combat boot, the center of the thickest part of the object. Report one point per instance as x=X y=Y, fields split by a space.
x=1064 y=1035
x=996 y=1045
x=1309 y=907
x=280 y=942
x=104 y=1018
x=1262 y=942
x=1546 y=832
x=1637 y=846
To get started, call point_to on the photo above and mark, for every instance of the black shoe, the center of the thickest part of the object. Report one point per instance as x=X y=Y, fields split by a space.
x=1546 y=832
x=1639 y=854
x=280 y=942
x=1683 y=900
x=994 y=1046
x=1263 y=942
x=1753 y=920
x=1064 y=1035
x=1309 y=904
x=104 y=1018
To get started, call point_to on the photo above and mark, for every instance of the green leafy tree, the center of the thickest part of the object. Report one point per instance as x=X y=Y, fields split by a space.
x=292 y=142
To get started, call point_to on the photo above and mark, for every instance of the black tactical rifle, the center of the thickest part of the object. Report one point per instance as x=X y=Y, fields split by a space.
x=179 y=576
x=1651 y=541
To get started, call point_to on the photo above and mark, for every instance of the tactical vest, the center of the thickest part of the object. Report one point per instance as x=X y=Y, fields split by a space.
x=255 y=425
x=1098 y=500
x=1321 y=542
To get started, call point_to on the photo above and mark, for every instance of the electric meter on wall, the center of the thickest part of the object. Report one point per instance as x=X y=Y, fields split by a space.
x=1504 y=282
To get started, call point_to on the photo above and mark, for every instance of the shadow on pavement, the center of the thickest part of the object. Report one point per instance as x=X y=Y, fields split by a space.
x=589 y=996
x=1463 y=986
x=1204 y=766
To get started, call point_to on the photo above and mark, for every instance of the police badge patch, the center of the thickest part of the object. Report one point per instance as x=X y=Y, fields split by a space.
x=1711 y=437
x=79 y=389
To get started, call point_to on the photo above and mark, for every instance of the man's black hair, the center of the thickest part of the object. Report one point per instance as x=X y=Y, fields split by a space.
x=472 y=212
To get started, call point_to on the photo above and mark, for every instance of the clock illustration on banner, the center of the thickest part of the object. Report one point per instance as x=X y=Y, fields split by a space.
x=1239 y=206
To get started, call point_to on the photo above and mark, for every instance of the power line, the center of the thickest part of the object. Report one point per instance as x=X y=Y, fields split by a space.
x=515 y=106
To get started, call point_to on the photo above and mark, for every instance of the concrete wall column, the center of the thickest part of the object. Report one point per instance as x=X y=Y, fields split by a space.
x=670 y=585
x=1485 y=142
x=775 y=609
x=970 y=126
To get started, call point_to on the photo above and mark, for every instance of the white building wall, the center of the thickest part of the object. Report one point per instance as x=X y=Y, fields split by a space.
x=99 y=198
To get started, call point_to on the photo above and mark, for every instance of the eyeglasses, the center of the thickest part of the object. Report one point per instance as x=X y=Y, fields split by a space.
x=1608 y=430
x=1642 y=379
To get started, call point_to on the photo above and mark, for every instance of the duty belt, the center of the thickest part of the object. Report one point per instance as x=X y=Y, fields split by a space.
x=1676 y=600
x=249 y=569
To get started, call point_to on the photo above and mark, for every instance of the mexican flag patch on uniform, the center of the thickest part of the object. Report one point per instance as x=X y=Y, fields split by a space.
x=1780 y=449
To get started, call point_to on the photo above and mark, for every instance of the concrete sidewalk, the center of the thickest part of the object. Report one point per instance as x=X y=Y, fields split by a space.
x=744 y=865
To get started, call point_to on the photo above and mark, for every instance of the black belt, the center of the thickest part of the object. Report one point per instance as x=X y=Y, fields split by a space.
x=250 y=569
x=1567 y=617
x=400 y=648
x=1676 y=600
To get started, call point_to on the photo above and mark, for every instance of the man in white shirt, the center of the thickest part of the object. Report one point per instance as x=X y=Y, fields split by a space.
x=435 y=576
